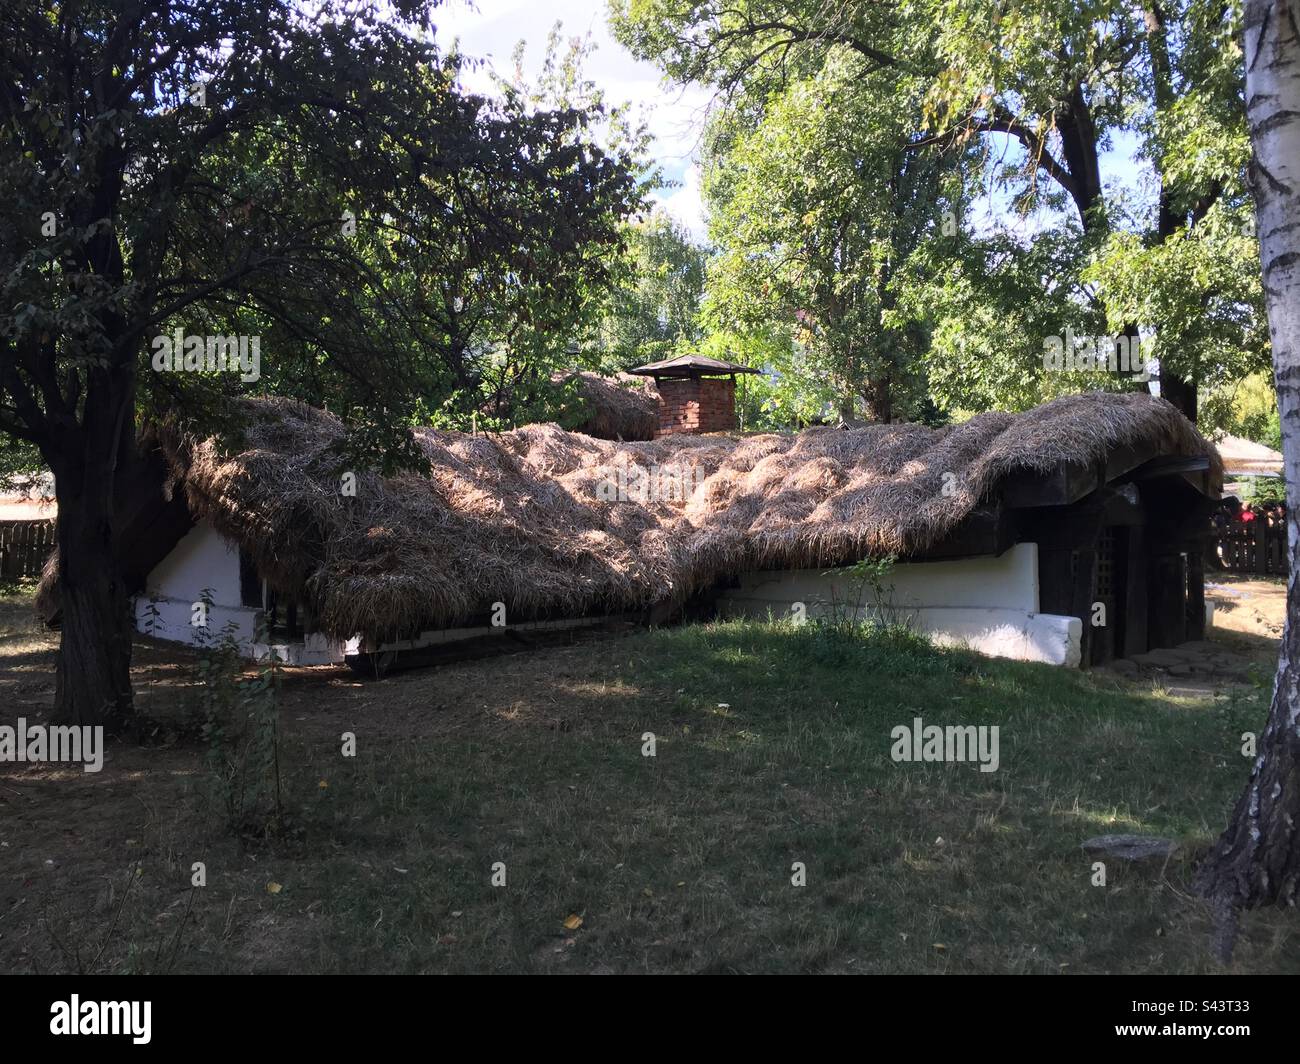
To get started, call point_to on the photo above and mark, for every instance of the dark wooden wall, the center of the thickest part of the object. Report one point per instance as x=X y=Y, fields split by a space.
x=1136 y=548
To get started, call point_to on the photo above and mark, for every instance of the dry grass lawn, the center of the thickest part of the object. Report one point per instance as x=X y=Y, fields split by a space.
x=772 y=748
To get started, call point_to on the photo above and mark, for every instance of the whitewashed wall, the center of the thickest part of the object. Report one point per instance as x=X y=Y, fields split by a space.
x=987 y=603
x=206 y=559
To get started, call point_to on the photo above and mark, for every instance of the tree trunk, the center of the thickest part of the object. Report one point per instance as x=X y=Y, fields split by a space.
x=95 y=468
x=1176 y=389
x=1179 y=391
x=93 y=675
x=878 y=396
x=1257 y=859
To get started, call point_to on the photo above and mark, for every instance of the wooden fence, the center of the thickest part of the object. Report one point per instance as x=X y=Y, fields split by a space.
x=24 y=546
x=1257 y=546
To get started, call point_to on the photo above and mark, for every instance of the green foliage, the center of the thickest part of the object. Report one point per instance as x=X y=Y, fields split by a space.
x=1200 y=289
x=815 y=207
x=788 y=395
x=240 y=724
x=990 y=302
x=1264 y=491
x=1020 y=103
x=655 y=312
x=836 y=644
x=519 y=361
x=1247 y=408
x=331 y=189
x=20 y=463
x=872 y=591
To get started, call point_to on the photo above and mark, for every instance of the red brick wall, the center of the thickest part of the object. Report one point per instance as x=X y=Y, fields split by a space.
x=697 y=404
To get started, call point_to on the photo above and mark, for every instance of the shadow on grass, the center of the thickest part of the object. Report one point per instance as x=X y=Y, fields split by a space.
x=666 y=790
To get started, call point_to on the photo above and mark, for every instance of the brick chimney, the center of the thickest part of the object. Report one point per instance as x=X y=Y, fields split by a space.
x=696 y=394
x=696 y=404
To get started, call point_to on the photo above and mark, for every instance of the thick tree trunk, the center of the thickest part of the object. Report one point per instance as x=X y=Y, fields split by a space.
x=1179 y=391
x=93 y=675
x=1257 y=860
x=95 y=465
x=879 y=400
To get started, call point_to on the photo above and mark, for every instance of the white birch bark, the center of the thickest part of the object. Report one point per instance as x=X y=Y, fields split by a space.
x=1257 y=859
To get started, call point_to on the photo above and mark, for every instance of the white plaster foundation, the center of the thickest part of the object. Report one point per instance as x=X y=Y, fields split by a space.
x=206 y=560
x=989 y=604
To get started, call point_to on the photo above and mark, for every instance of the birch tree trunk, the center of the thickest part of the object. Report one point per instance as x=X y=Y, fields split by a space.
x=1257 y=859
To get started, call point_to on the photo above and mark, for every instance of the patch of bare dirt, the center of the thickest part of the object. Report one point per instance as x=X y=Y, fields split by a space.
x=1249 y=606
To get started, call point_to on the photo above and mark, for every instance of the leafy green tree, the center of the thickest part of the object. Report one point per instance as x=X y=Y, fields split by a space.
x=989 y=302
x=20 y=464
x=1064 y=81
x=816 y=206
x=790 y=393
x=526 y=359
x=1246 y=408
x=655 y=312
x=515 y=360
x=1044 y=89
x=311 y=177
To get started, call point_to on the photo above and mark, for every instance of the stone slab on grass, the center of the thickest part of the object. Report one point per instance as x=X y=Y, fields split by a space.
x=1131 y=847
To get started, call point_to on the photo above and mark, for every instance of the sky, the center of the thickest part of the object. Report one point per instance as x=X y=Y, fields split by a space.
x=490 y=29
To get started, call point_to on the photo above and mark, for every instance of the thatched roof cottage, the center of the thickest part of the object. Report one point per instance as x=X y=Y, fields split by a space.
x=1069 y=534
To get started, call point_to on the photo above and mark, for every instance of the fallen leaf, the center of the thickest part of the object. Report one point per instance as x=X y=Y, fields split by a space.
x=573 y=922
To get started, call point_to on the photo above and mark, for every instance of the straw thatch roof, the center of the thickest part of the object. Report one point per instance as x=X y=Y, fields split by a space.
x=1246 y=456
x=621 y=407
x=533 y=517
